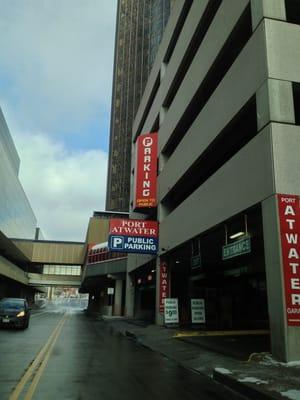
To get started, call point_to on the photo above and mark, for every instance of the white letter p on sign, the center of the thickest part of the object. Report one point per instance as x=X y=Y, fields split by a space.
x=117 y=242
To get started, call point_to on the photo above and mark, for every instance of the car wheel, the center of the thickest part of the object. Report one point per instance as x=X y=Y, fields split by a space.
x=26 y=324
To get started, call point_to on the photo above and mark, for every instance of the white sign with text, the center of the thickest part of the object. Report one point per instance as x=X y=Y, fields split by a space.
x=171 y=311
x=198 y=311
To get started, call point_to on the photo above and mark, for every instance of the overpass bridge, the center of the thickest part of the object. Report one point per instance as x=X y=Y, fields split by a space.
x=25 y=265
x=53 y=280
x=52 y=252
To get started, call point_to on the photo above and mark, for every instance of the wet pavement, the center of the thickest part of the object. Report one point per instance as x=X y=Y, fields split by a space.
x=238 y=361
x=239 y=347
x=64 y=355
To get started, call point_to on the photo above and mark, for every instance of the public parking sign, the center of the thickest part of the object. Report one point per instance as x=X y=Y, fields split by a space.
x=133 y=236
x=131 y=244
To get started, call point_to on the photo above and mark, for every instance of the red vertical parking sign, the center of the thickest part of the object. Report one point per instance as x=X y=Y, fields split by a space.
x=163 y=285
x=289 y=216
x=146 y=171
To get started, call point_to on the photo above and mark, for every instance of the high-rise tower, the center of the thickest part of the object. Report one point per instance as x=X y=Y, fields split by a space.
x=140 y=25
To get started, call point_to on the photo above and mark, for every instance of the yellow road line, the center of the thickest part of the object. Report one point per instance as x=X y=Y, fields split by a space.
x=42 y=366
x=43 y=313
x=38 y=359
x=220 y=333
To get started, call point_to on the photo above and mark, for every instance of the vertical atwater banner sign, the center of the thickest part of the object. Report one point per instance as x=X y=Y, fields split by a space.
x=289 y=217
x=145 y=171
x=163 y=285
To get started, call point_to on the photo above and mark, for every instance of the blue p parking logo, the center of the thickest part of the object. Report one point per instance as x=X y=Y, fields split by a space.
x=117 y=242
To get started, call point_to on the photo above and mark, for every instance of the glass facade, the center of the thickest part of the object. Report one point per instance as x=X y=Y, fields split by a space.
x=16 y=216
x=74 y=270
x=140 y=26
x=160 y=11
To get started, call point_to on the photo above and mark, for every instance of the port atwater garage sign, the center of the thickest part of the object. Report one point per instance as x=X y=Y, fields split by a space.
x=289 y=218
x=133 y=236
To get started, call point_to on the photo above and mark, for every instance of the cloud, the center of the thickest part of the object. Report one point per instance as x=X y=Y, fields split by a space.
x=56 y=61
x=64 y=187
x=55 y=82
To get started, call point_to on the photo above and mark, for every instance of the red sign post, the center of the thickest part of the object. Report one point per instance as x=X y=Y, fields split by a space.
x=289 y=216
x=163 y=285
x=146 y=171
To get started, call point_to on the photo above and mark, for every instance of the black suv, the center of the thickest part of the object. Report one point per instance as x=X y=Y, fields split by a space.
x=14 y=312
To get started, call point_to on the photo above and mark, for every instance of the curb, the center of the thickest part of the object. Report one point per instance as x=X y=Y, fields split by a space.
x=181 y=364
x=243 y=388
x=130 y=334
x=239 y=388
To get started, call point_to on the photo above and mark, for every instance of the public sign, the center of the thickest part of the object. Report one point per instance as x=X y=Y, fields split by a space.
x=110 y=290
x=163 y=285
x=289 y=218
x=146 y=171
x=133 y=236
x=171 y=311
x=198 y=311
x=242 y=246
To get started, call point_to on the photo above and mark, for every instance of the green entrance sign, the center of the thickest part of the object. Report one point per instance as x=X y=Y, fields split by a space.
x=196 y=262
x=242 y=246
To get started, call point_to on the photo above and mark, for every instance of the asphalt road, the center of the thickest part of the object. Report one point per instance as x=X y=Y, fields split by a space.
x=65 y=355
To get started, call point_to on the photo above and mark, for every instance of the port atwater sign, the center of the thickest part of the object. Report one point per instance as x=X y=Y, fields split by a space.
x=133 y=236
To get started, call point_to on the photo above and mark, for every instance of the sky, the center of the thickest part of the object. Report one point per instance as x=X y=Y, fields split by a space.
x=56 y=68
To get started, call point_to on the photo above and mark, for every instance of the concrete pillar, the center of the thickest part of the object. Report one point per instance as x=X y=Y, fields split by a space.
x=94 y=304
x=285 y=340
x=118 y=297
x=275 y=103
x=107 y=310
x=50 y=293
x=2 y=289
x=260 y=9
x=129 y=302
x=30 y=294
x=90 y=300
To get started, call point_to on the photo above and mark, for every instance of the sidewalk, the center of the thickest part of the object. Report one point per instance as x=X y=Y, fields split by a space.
x=256 y=377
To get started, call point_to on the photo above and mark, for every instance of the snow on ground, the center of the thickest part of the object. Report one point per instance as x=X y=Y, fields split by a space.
x=268 y=360
x=291 y=394
x=223 y=371
x=293 y=364
x=252 y=380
